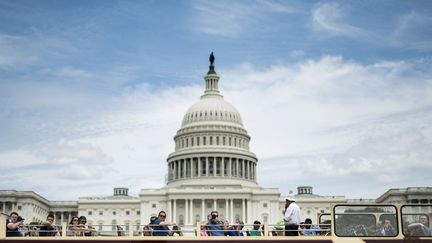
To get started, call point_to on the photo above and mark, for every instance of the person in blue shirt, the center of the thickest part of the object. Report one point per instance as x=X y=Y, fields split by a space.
x=215 y=227
x=310 y=229
x=160 y=226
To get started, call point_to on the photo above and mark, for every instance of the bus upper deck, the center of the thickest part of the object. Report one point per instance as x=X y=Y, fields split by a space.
x=345 y=223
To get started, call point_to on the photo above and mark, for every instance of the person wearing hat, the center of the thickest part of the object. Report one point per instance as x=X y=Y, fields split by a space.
x=292 y=217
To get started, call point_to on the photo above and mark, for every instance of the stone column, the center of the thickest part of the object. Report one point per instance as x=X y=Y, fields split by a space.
x=191 y=214
x=249 y=211
x=243 y=168
x=226 y=210
x=207 y=166
x=203 y=215
x=215 y=165
x=175 y=210
x=184 y=168
x=170 y=217
x=187 y=211
x=237 y=168
x=230 y=167
x=192 y=168
x=214 y=205
x=244 y=211
x=3 y=207
x=231 y=210
x=222 y=166
x=246 y=170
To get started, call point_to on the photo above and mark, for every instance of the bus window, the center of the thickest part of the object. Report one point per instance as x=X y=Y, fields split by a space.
x=365 y=220
x=324 y=222
x=416 y=220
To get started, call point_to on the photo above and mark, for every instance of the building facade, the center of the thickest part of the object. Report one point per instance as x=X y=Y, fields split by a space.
x=211 y=168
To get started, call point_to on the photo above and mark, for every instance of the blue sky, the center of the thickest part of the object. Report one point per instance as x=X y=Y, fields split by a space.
x=335 y=94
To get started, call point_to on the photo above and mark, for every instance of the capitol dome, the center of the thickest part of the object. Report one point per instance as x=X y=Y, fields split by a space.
x=212 y=108
x=212 y=146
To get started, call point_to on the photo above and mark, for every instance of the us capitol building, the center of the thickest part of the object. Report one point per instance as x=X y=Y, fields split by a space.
x=211 y=168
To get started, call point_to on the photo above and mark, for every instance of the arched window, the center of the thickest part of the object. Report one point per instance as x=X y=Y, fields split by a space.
x=204 y=140
x=211 y=140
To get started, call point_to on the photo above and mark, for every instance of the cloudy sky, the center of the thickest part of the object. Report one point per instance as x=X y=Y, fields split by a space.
x=335 y=94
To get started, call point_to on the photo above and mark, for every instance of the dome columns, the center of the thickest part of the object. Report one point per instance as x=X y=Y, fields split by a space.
x=211 y=167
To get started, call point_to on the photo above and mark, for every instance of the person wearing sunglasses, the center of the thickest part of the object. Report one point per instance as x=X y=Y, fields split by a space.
x=73 y=227
x=160 y=225
x=215 y=227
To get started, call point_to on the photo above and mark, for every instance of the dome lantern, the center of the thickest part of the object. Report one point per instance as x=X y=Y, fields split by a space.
x=211 y=79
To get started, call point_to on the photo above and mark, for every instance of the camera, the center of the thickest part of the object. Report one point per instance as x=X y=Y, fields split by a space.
x=19 y=219
x=214 y=216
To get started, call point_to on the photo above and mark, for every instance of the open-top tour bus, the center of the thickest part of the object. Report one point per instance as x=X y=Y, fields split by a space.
x=346 y=223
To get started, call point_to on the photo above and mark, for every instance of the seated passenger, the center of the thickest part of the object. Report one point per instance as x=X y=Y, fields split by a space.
x=73 y=227
x=360 y=230
x=256 y=229
x=215 y=227
x=310 y=229
x=85 y=229
x=147 y=230
x=203 y=231
x=386 y=229
x=421 y=228
x=160 y=226
x=48 y=228
x=12 y=225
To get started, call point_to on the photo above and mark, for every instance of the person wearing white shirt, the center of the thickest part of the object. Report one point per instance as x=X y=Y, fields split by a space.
x=292 y=217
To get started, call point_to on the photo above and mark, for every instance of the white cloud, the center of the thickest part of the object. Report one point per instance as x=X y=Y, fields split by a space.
x=324 y=119
x=233 y=18
x=329 y=18
x=413 y=31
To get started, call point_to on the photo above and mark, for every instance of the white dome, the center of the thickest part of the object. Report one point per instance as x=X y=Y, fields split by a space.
x=212 y=108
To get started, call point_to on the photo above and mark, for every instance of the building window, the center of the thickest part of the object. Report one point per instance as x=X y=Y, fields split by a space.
x=264 y=205
x=154 y=205
x=127 y=212
x=138 y=212
x=100 y=213
x=114 y=224
x=114 y=212
x=209 y=205
x=19 y=207
x=90 y=212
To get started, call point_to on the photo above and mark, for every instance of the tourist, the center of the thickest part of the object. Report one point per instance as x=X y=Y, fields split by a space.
x=48 y=228
x=160 y=225
x=292 y=217
x=215 y=227
x=12 y=225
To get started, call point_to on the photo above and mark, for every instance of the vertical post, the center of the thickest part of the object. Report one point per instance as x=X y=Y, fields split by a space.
x=2 y=227
x=131 y=229
x=63 y=229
